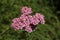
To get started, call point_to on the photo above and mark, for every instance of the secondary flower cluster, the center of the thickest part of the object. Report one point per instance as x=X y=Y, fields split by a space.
x=26 y=21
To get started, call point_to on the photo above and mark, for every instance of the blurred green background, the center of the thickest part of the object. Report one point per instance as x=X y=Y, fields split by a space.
x=10 y=9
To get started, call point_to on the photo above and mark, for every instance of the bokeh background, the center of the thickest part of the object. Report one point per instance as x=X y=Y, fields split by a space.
x=10 y=9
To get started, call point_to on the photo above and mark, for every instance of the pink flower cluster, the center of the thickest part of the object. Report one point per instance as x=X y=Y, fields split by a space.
x=26 y=21
x=26 y=10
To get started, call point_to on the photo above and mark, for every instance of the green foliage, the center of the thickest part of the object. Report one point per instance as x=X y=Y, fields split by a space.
x=10 y=9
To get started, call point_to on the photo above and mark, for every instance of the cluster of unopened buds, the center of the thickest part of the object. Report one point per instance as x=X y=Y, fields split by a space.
x=26 y=21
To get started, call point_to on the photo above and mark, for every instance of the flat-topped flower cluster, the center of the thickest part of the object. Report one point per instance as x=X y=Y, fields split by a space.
x=26 y=21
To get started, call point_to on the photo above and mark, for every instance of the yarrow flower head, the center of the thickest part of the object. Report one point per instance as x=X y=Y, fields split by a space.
x=27 y=22
x=17 y=24
x=40 y=17
x=26 y=10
